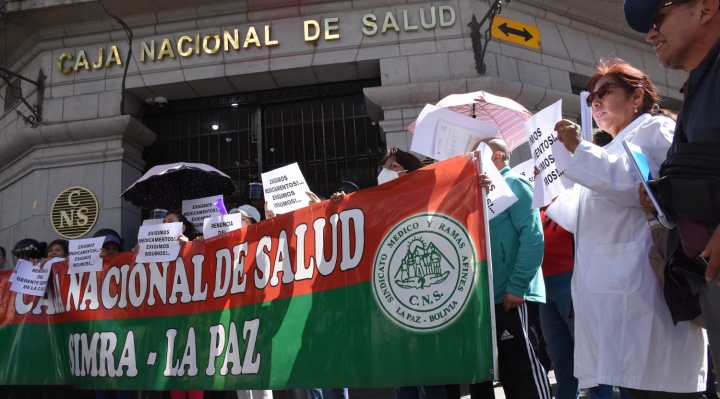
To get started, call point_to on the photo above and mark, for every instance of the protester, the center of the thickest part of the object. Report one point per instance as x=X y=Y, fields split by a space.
x=557 y=314
x=624 y=335
x=3 y=259
x=250 y=215
x=686 y=37
x=257 y=198
x=346 y=187
x=397 y=163
x=113 y=242
x=516 y=251
x=57 y=249
x=28 y=249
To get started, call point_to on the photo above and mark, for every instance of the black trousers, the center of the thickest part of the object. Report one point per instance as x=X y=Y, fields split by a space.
x=521 y=374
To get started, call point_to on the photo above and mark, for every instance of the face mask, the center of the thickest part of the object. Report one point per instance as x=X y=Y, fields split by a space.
x=387 y=175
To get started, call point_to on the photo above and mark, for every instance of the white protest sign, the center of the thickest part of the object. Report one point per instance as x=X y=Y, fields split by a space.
x=526 y=170
x=159 y=243
x=441 y=133
x=550 y=156
x=540 y=194
x=501 y=195
x=586 y=117
x=197 y=210
x=285 y=189
x=564 y=210
x=451 y=139
x=84 y=255
x=152 y=222
x=222 y=224
x=32 y=279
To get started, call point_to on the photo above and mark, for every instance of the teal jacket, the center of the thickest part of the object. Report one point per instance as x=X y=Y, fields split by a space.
x=516 y=244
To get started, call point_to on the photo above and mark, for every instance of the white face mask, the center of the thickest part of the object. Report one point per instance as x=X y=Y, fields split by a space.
x=387 y=175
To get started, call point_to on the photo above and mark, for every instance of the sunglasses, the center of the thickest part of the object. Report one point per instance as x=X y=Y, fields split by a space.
x=656 y=18
x=602 y=92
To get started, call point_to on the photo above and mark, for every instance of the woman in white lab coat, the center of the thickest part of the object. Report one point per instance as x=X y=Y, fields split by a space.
x=624 y=335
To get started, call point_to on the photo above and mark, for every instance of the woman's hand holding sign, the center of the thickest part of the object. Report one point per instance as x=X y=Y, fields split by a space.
x=569 y=133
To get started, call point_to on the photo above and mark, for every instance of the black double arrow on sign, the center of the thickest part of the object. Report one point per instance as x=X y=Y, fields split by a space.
x=504 y=28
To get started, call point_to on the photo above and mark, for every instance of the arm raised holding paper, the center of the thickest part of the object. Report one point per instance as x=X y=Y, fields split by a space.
x=613 y=283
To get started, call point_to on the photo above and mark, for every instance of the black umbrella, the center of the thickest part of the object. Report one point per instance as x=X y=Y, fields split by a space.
x=166 y=186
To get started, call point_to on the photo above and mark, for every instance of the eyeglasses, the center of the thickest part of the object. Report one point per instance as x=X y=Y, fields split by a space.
x=656 y=18
x=602 y=92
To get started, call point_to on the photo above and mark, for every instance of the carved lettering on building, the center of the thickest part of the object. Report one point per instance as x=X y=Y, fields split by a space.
x=235 y=40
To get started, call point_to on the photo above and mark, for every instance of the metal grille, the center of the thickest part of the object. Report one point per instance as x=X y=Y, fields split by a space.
x=331 y=139
x=325 y=128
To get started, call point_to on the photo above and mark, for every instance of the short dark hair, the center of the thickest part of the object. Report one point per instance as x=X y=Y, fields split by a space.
x=602 y=138
x=4 y=254
x=407 y=160
x=63 y=243
x=190 y=232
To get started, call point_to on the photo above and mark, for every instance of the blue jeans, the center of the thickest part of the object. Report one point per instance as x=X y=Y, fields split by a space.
x=428 y=392
x=558 y=326
x=327 y=393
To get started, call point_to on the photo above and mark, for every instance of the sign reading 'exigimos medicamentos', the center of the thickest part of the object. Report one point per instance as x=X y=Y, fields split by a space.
x=364 y=292
x=235 y=40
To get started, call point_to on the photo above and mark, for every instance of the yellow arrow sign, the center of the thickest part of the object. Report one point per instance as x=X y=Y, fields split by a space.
x=515 y=32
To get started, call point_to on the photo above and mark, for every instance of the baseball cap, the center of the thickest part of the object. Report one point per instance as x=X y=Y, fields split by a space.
x=250 y=211
x=638 y=13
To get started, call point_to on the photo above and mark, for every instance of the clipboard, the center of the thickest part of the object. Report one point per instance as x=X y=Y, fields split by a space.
x=640 y=164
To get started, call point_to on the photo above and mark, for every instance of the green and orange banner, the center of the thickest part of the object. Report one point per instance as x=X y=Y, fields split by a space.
x=387 y=287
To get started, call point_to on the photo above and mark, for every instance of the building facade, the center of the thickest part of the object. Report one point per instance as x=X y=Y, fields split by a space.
x=250 y=85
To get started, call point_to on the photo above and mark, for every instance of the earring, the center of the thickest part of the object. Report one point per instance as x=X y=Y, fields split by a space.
x=636 y=110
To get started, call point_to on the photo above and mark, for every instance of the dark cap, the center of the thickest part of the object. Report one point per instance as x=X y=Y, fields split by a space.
x=638 y=14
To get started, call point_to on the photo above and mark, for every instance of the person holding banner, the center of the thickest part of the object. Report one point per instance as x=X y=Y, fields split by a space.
x=3 y=259
x=624 y=334
x=516 y=238
x=57 y=249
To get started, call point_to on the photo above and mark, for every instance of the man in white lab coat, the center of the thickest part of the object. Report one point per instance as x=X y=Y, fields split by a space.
x=686 y=37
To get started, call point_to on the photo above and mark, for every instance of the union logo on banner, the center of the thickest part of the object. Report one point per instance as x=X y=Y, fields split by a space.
x=424 y=271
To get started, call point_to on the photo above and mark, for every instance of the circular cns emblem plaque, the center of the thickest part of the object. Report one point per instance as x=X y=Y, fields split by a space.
x=424 y=272
x=74 y=212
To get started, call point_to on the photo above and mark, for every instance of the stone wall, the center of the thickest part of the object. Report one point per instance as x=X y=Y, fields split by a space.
x=84 y=140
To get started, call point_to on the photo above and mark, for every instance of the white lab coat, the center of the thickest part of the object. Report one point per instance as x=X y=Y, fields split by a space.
x=624 y=335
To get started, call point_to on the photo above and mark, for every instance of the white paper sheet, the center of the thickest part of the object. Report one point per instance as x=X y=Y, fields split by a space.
x=32 y=280
x=526 y=170
x=84 y=255
x=586 y=117
x=221 y=224
x=197 y=210
x=451 y=139
x=151 y=222
x=549 y=154
x=501 y=195
x=285 y=189
x=427 y=124
x=564 y=209
x=159 y=243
